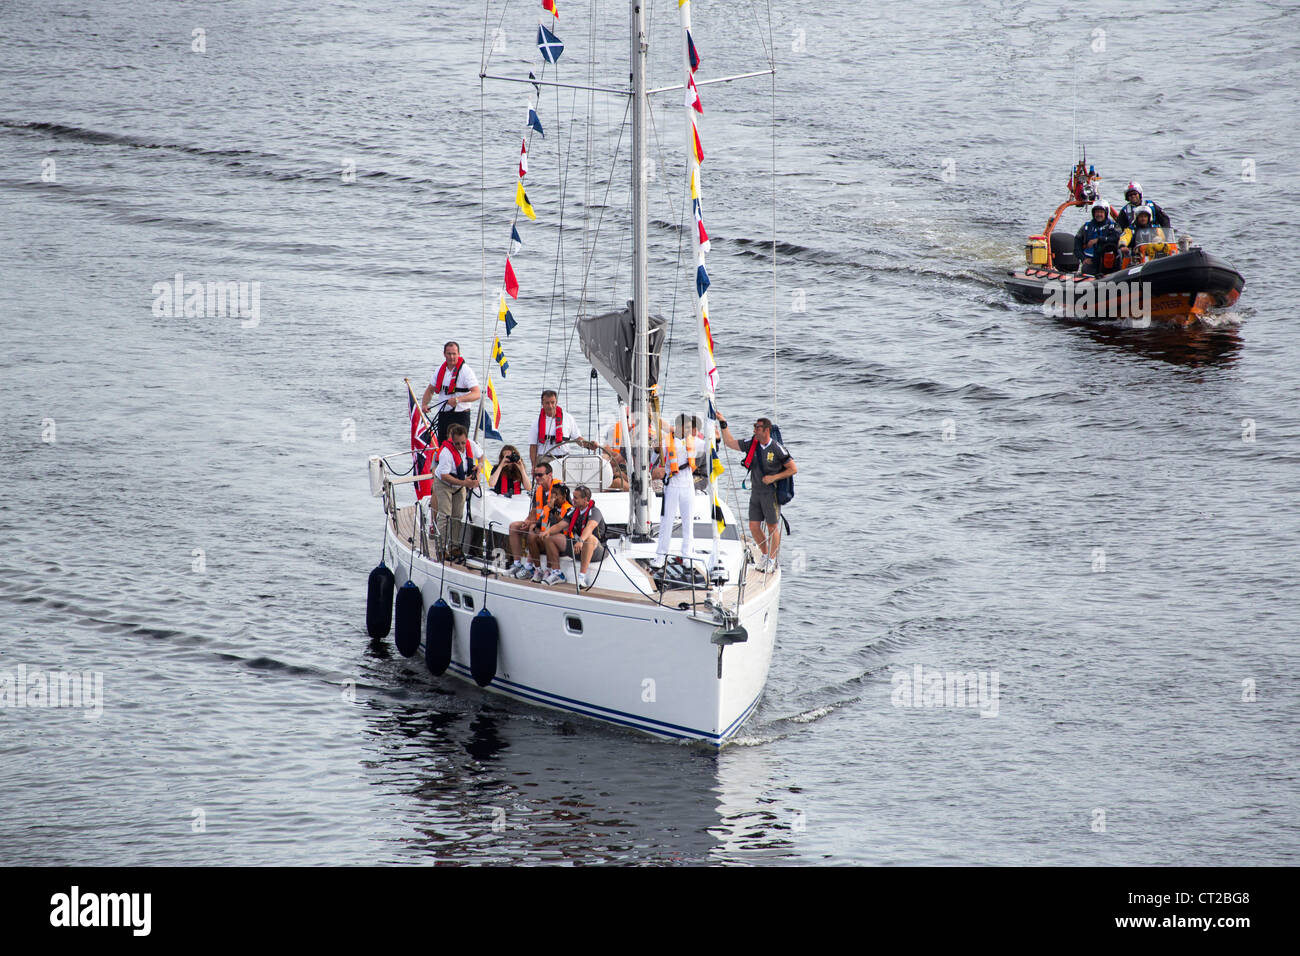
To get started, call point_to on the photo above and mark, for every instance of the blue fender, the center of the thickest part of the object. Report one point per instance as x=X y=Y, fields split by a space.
x=439 y=628
x=484 y=636
x=379 y=602
x=409 y=605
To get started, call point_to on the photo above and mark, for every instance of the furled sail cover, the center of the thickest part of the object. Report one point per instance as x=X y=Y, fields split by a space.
x=607 y=342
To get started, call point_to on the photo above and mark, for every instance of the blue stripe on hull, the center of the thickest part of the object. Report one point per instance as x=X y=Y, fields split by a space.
x=660 y=728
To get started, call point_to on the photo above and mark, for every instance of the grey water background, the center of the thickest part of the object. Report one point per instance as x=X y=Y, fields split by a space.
x=916 y=146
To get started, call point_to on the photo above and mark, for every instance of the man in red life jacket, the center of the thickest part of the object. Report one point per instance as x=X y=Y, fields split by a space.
x=768 y=462
x=454 y=389
x=528 y=532
x=578 y=537
x=554 y=426
x=456 y=470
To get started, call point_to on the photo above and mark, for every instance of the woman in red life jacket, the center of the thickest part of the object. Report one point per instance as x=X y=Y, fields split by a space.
x=454 y=389
x=509 y=477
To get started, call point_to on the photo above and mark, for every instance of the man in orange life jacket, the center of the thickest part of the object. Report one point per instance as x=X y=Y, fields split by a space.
x=455 y=386
x=554 y=426
x=529 y=530
x=768 y=462
x=455 y=471
x=578 y=538
x=681 y=458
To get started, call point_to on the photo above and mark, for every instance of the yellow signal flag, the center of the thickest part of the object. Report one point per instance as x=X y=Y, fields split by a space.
x=521 y=200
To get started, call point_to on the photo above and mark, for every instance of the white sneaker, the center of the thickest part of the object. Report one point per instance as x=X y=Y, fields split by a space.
x=538 y=575
x=764 y=564
x=514 y=568
x=582 y=580
x=657 y=561
x=524 y=571
x=555 y=577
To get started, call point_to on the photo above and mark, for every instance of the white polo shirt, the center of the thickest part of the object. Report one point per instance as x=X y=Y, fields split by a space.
x=467 y=381
x=619 y=434
x=447 y=464
x=549 y=446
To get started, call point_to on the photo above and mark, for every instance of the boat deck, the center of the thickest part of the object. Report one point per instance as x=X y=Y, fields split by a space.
x=756 y=582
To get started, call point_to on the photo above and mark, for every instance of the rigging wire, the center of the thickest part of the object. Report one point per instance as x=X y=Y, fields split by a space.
x=772 y=66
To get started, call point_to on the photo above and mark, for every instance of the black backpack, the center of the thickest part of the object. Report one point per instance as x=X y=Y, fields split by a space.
x=784 y=487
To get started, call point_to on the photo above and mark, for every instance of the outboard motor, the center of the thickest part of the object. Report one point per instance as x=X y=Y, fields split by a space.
x=1063 y=257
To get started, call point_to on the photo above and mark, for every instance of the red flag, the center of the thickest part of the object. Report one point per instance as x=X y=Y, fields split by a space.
x=699 y=150
x=512 y=284
x=693 y=95
x=523 y=159
x=421 y=455
x=549 y=7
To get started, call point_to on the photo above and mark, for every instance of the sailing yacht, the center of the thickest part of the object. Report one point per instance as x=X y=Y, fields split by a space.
x=678 y=651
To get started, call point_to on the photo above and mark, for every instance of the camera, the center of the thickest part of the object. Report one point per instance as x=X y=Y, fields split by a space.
x=513 y=456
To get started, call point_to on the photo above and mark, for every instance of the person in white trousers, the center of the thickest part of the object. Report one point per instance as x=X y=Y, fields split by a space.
x=680 y=452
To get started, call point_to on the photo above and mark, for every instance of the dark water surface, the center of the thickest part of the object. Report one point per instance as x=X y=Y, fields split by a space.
x=1071 y=447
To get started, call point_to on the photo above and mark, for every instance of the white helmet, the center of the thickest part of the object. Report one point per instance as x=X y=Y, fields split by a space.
x=1132 y=187
x=1099 y=204
x=1142 y=210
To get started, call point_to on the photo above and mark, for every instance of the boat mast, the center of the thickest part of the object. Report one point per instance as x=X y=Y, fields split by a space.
x=640 y=484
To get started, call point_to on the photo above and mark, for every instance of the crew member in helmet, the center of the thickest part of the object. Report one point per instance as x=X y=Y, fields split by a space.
x=1145 y=238
x=1133 y=201
x=1099 y=230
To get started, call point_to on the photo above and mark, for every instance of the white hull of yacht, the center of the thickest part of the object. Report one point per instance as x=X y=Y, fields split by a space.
x=630 y=663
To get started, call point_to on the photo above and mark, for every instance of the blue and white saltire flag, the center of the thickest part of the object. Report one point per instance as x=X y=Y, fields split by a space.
x=515 y=242
x=549 y=44
x=534 y=122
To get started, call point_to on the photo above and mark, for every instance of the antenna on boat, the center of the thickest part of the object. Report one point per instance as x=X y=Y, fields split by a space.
x=1074 y=108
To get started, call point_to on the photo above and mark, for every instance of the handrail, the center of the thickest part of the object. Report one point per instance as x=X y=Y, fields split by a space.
x=408 y=479
x=1051 y=227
